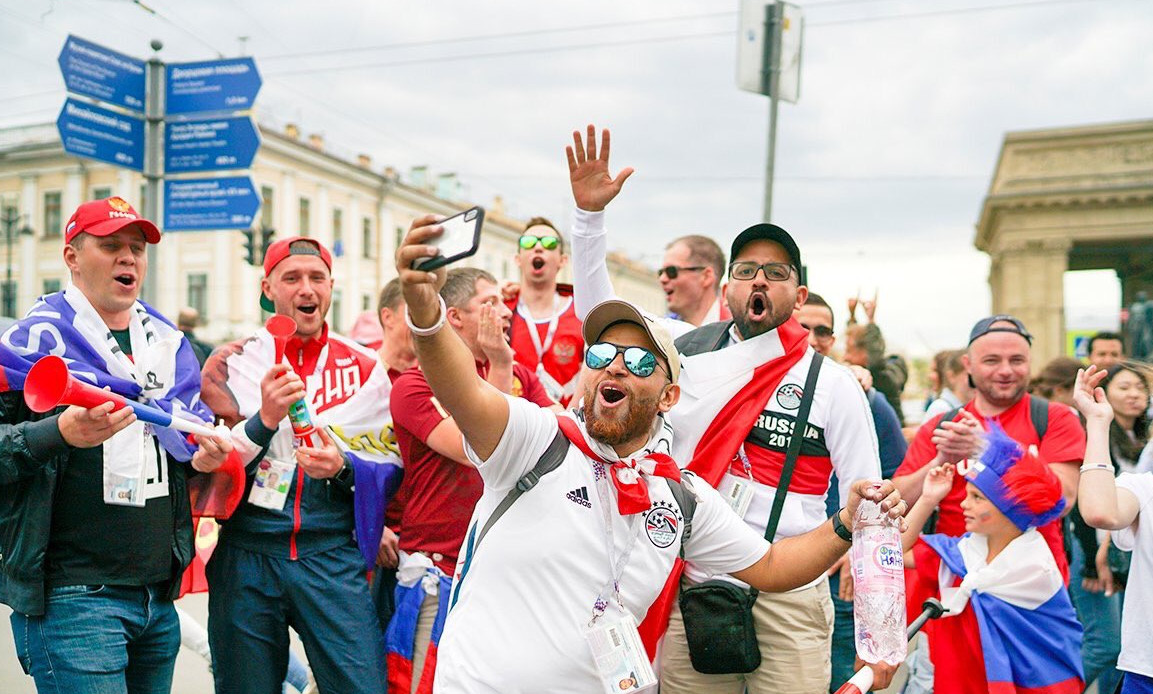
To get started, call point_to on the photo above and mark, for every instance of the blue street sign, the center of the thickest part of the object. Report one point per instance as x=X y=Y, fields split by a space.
x=216 y=85
x=210 y=145
x=102 y=73
x=210 y=203
x=97 y=133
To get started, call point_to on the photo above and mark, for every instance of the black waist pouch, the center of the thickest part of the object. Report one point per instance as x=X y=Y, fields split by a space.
x=719 y=627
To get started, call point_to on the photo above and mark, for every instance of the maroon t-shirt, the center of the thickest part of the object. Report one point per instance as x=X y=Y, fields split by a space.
x=440 y=493
x=1064 y=442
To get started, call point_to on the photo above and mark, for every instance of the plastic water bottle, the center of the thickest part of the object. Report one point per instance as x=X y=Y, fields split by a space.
x=879 y=590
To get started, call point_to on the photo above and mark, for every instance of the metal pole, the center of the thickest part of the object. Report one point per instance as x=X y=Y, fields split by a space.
x=10 y=220
x=774 y=15
x=153 y=160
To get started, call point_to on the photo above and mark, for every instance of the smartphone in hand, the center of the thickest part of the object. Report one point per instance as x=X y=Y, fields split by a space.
x=460 y=239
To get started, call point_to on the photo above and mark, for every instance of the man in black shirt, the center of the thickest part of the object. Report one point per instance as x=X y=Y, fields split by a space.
x=95 y=524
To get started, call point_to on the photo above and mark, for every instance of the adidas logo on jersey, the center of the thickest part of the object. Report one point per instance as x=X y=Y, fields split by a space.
x=580 y=496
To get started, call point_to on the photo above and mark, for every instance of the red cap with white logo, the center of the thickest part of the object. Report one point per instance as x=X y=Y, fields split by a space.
x=106 y=217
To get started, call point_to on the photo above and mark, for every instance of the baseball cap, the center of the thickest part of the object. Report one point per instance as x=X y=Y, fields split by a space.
x=768 y=232
x=988 y=325
x=614 y=311
x=293 y=245
x=106 y=217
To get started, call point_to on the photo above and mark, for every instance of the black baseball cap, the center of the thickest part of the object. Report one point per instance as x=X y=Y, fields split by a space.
x=768 y=232
x=989 y=325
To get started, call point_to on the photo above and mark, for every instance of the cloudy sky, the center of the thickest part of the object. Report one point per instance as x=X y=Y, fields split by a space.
x=881 y=166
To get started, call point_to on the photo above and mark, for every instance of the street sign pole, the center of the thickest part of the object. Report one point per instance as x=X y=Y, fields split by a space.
x=153 y=161
x=774 y=21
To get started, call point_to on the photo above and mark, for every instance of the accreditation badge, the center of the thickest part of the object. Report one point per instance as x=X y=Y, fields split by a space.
x=619 y=655
x=270 y=487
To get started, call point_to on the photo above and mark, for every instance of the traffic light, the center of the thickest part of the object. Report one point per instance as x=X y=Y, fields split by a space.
x=250 y=247
x=266 y=237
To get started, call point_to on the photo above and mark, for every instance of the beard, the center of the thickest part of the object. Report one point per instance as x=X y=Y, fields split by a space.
x=767 y=317
x=635 y=421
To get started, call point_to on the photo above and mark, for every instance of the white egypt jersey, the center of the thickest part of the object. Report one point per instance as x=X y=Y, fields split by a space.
x=520 y=610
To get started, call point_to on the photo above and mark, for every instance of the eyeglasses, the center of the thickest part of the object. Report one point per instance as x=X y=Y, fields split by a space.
x=673 y=270
x=824 y=332
x=638 y=360
x=549 y=243
x=747 y=270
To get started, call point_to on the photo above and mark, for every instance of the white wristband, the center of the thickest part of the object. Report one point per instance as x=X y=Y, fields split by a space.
x=430 y=330
x=1096 y=466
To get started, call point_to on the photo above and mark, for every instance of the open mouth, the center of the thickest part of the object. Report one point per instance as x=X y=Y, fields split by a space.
x=538 y=263
x=126 y=280
x=611 y=394
x=307 y=309
x=758 y=305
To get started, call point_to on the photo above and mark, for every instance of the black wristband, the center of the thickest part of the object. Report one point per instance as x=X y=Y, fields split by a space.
x=841 y=529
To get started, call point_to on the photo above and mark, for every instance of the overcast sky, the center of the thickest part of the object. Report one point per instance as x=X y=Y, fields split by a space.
x=881 y=166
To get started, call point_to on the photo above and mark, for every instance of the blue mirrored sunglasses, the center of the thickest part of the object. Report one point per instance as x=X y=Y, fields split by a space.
x=638 y=360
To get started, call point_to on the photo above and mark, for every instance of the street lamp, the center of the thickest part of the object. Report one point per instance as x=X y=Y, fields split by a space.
x=11 y=221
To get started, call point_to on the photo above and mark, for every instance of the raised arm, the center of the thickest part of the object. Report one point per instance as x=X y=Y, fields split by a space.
x=593 y=189
x=1102 y=505
x=479 y=409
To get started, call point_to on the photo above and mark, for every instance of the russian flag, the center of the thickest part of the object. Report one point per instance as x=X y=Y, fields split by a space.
x=400 y=639
x=1029 y=633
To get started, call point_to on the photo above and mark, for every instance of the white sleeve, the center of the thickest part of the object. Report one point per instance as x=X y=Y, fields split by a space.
x=721 y=542
x=1140 y=484
x=590 y=273
x=1145 y=461
x=850 y=433
x=529 y=431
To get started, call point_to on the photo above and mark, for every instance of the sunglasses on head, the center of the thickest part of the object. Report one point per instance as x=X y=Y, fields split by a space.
x=747 y=270
x=822 y=331
x=549 y=243
x=673 y=270
x=638 y=360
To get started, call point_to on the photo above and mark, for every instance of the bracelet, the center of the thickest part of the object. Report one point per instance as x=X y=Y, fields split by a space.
x=1096 y=466
x=840 y=529
x=430 y=330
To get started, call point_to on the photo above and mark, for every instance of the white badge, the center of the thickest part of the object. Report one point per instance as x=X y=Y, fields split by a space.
x=620 y=656
x=270 y=488
x=737 y=492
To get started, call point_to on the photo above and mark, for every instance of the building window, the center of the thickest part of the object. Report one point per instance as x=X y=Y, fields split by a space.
x=266 y=200
x=101 y=193
x=8 y=298
x=337 y=231
x=51 y=286
x=305 y=223
x=52 y=221
x=198 y=293
x=337 y=310
x=366 y=238
x=365 y=302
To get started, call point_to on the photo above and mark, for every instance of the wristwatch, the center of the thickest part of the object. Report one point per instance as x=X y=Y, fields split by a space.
x=344 y=475
x=841 y=529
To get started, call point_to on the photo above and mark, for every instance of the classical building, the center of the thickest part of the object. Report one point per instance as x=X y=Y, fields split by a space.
x=360 y=212
x=1067 y=199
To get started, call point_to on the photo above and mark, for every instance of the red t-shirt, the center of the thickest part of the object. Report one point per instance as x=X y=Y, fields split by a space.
x=562 y=356
x=439 y=492
x=1064 y=442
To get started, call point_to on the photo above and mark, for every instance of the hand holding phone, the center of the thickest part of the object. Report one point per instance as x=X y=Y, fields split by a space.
x=460 y=239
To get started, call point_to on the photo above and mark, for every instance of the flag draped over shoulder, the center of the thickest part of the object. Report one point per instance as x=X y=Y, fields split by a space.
x=722 y=394
x=348 y=395
x=1029 y=633
x=163 y=371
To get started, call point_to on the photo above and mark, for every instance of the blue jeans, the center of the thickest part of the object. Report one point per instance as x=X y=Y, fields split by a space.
x=844 y=650
x=1136 y=684
x=100 y=640
x=1101 y=618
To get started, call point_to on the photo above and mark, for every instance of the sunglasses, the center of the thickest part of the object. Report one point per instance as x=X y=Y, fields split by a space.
x=638 y=360
x=673 y=270
x=549 y=243
x=824 y=332
x=747 y=270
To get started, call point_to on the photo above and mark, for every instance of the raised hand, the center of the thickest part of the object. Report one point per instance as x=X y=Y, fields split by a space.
x=491 y=338
x=1089 y=396
x=593 y=188
x=938 y=483
x=959 y=439
x=421 y=288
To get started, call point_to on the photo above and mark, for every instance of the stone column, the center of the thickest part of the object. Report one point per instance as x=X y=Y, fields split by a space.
x=1026 y=278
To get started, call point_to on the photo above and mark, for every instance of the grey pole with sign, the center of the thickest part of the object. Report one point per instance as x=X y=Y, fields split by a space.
x=153 y=158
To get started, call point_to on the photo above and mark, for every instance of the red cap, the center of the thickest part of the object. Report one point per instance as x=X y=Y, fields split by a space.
x=106 y=217
x=283 y=248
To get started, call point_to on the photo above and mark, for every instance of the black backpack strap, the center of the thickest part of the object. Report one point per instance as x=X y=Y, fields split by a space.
x=707 y=338
x=794 y=450
x=549 y=461
x=687 y=503
x=1039 y=413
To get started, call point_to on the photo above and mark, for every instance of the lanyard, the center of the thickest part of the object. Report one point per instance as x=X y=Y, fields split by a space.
x=612 y=587
x=541 y=347
x=745 y=461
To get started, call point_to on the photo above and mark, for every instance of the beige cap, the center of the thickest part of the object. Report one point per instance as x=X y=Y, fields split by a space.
x=614 y=311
